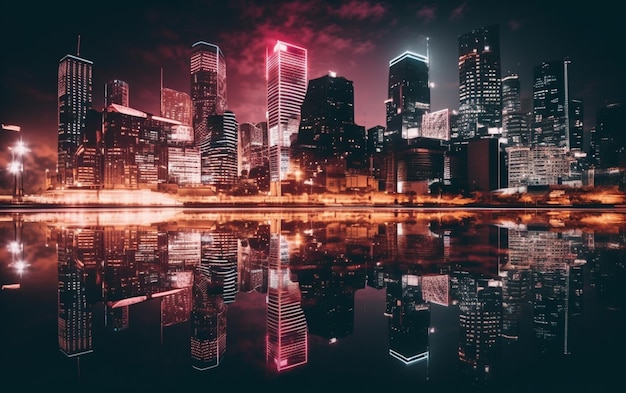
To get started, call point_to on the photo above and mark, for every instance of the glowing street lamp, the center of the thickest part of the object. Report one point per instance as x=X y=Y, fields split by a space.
x=16 y=167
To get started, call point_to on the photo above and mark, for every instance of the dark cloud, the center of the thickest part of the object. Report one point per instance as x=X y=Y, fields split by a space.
x=427 y=13
x=459 y=12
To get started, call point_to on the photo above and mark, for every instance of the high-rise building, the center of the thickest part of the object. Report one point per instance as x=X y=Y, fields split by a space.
x=609 y=142
x=75 y=86
x=116 y=92
x=514 y=125
x=480 y=98
x=511 y=101
x=208 y=87
x=550 y=104
x=576 y=123
x=219 y=153
x=327 y=128
x=176 y=105
x=251 y=148
x=286 y=77
x=409 y=95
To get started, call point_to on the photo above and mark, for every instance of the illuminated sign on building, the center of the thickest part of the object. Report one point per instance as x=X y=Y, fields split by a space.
x=182 y=133
x=436 y=125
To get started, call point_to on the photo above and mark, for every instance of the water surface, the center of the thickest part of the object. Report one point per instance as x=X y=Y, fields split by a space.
x=302 y=300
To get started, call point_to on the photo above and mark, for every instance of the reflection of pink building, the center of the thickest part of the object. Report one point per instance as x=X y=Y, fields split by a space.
x=436 y=289
x=286 y=340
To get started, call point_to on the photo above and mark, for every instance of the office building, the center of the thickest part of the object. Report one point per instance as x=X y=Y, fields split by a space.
x=176 y=105
x=286 y=76
x=514 y=125
x=576 y=124
x=116 y=92
x=408 y=95
x=251 y=148
x=75 y=88
x=327 y=130
x=219 y=152
x=480 y=98
x=540 y=165
x=608 y=140
x=551 y=125
x=208 y=88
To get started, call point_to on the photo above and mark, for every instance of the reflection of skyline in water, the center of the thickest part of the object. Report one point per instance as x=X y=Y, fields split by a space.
x=503 y=281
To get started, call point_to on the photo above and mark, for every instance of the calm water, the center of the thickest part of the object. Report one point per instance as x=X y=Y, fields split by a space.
x=329 y=300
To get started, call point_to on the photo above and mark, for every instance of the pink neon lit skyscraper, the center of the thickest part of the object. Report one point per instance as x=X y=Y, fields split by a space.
x=286 y=76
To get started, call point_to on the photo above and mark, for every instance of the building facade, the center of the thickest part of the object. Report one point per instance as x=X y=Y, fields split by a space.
x=327 y=130
x=176 y=105
x=286 y=77
x=551 y=105
x=75 y=89
x=480 y=99
x=208 y=89
x=408 y=95
x=116 y=92
x=220 y=154
x=514 y=123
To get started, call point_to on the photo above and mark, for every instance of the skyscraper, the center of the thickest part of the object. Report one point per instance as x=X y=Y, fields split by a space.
x=219 y=161
x=409 y=95
x=608 y=140
x=116 y=92
x=327 y=128
x=208 y=87
x=576 y=121
x=514 y=124
x=551 y=104
x=176 y=105
x=286 y=77
x=480 y=99
x=75 y=86
x=511 y=101
x=251 y=152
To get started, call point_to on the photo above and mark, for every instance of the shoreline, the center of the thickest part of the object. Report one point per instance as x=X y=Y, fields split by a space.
x=29 y=206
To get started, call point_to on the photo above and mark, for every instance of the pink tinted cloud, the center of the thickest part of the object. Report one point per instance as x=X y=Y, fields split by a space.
x=427 y=13
x=305 y=24
x=458 y=12
x=362 y=10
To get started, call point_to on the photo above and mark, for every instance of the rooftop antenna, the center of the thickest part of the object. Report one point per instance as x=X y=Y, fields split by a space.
x=78 y=46
x=427 y=54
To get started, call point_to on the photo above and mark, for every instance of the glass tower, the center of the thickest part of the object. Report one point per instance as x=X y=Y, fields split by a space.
x=480 y=99
x=514 y=124
x=75 y=86
x=116 y=92
x=208 y=87
x=176 y=105
x=409 y=95
x=219 y=156
x=551 y=105
x=286 y=76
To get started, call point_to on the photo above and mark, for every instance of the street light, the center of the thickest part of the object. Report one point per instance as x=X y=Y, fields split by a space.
x=16 y=167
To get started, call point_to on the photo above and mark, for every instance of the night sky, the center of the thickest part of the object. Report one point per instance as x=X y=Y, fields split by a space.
x=133 y=40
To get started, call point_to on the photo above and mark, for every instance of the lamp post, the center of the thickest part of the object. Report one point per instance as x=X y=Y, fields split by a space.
x=17 y=168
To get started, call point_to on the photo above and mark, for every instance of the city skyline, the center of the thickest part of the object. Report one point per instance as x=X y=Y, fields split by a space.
x=328 y=31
